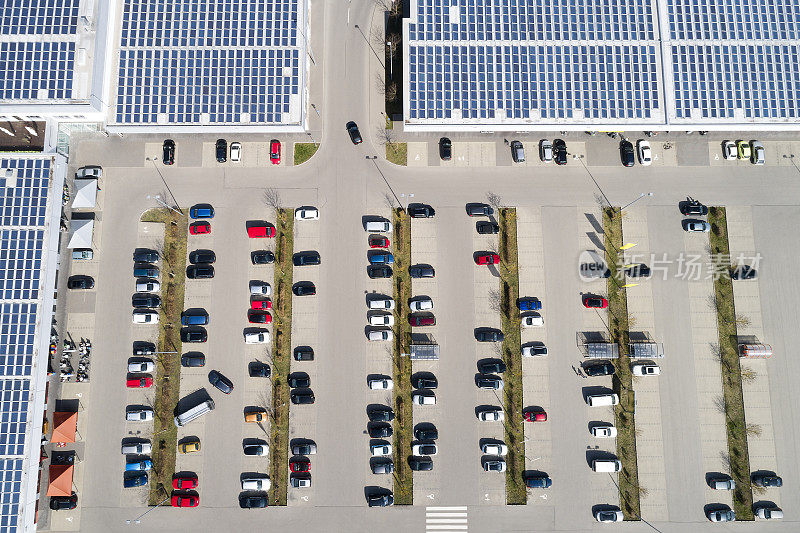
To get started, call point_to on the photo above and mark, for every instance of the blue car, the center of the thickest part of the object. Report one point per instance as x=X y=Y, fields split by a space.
x=538 y=481
x=147 y=464
x=201 y=211
x=381 y=258
x=195 y=319
x=529 y=304
x=137 y=480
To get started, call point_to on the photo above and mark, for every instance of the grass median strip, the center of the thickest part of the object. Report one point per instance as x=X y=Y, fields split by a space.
x=303 y=152
x=623 y=378
x=281 y=354
x=516 y=493
x=397 y=153
x=401 y=365
x=735 y=422
x=168 y=365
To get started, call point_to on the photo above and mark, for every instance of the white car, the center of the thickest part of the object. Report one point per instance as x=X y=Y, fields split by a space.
x=381 y=303
x=306 y=213
x=645 y=154
x=260 y=288
x=756 y=153
x=604 y=432
x=696 y=226
x=533 y=320
x=614 y=515
x=494 y=465
x=139 y=415
x=300 y=482
x=534 y=351
x=148 y=286
x=423 y=398
x=256 y=483
x=137 y=448
x=424 y=449
x=380 y=449
x=380 y=384
x=89 y=171
x=423 y=304
x=381 y=320
x=236 y=152
x=380 y=335
x=492 y=415
x=729 y=150
x=645 y=369
x=141 y=316
x=141 y=367
x=256 y=337
x=494 y=449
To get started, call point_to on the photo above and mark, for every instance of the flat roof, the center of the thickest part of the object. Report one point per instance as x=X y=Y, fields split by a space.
x=560 y=63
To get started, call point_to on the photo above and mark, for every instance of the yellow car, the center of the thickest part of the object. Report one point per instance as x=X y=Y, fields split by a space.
x=189 y=446
x=743 y=149
x=256 y=416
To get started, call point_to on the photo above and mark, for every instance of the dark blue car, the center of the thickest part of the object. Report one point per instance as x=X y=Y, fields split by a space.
x=137 y=480
x=538 y=482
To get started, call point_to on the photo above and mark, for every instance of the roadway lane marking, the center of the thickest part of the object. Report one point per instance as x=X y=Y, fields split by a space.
x=434 y=509
x=444 y=519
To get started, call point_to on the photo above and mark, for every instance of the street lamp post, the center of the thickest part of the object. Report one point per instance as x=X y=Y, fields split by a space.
x=391 y=73
x=636 y=200
x=373 y=158
x=153 y=160
x=138 y=519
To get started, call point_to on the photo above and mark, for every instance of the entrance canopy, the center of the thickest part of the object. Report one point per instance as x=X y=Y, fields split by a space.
x=85 y=193
x=64 y=427
x=82 y=232
x=60 y=480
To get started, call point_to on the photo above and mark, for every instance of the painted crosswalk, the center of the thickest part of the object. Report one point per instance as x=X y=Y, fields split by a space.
x=445 y=519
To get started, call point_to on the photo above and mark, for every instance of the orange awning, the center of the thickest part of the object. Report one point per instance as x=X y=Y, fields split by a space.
x=60 y=480
x=64 y=427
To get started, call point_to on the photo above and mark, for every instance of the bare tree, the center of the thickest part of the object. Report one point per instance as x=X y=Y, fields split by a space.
x=272 y=198
x=753 y=430
x=719 y=404
x=385 y=136
x=749 y=374
x=391 y=91
x=494 y=200
x=495 y=303
x=742 y=321
x=394 y=41
x=380 y=83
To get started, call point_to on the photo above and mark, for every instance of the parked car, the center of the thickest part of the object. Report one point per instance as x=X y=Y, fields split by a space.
x=145 y=464
x=304 y=288
x=202 y=256
x=261 y=230
x=380 y=500
x=145 y=301
x=378 y=241
x=757 y=153
x=380 y=383
x=604 y=432
x=489 y=335
x=143 y=348
x=479 y=210
x=494 y=414
x=421 y=320
x=486 y=258
x=275 y=152
x=80 y=282
x=381 y=319
x=257 y=369
x=379 y=271
x=189 y=446
x=253 y=501
x=721 y=515
x=259 y=317
x=382 y=303
x=298 y=380
x=691 y=207
x=534 y=415
x=489 y=382
x=608 y=515
x=300 y=465
x=300 y=481
x=599 y=368
x=221 y=382
x=145 y=271
x=639 y=270
x=645 y=369
x=257 y=337
x=194 y=334
x=306 y=213
x=594 y=302
x=256 y=415
x=200 y=272
x=199 y=228
x=384 y=466
x=423 y=397
x=89 y=172
x=256 y=483
x=380 y=430
x=494 y=448
x=82 y=254
x=236 y=152
x=494 y=465
x=201 y=211
x=695 y=226
x=379 y=450
x=492 y=366
x=645 y=153
x=193 y=359
x=445 y=149
x=767 y=480
x=380 y=413
x=255 y=450
x=768 y=511
x=352 y=130
x=545 y=151
x=145 y=255
x=260 y=288
x=145 y=316
x=744 y=272
x=560 y=152
x=424 y=449
x=743 y=149
x=303 y=353
x=380 y=335
x=136 y=414
x=420 y=464
x=532 y=320
x=141 y=367
x=421 y=211
x=168 y=152
x=302 y=397
x=529 y=304
x=626 y=153
x=380 y=226
x=196 y=317
x=534 y=350
x=517 y=152
x=184 y=500
x=721 y=482
x=420 y=304
x=137 y=448
x=424 y=380
x=381 y=258
x=536 y=481
x=304 y=448
x=147 y=285
x=222 y=150
x=729 y=150
x=487 y=228
x=131 y=480
x=426 y=432
x=261 y=303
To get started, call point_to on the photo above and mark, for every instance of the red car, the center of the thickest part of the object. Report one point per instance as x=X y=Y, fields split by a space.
x=275 y=151
x=267 y=230
x=421 y=320
x=185 y=500
x=199 y=228
x=532 y=415
x=140 y=383
x=261 y=304
x=259 y=317
x=594 y=302
x=378 y=241
x=300 y=466
x=487 y=259
x=184 y=482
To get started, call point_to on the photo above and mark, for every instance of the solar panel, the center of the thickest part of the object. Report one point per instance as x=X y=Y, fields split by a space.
x=14 y=399
x=23 y=195
x=10 y=493
x=26 y=68
x=38 y=17
x=20 y=264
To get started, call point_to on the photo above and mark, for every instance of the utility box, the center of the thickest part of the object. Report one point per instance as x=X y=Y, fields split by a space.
x=646 y=350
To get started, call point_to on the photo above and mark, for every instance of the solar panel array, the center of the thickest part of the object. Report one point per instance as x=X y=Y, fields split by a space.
x=220 y=62
x=733 y=19
x=14 y=399
x=23 y=199
x=38 y=17
x=10 y=493
x=20 y=263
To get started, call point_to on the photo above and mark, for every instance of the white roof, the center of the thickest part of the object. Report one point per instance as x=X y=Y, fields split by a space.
x=85 y=193
x=81 y=234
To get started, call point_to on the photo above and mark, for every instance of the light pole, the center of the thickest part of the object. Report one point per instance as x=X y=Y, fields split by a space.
x=308 y=46
x=373 y=158
x=158 y=199
x=636 y=200
x=580 y=158
x=790 y=157
x=153 y=160
x=391 y=73
x=138 y=519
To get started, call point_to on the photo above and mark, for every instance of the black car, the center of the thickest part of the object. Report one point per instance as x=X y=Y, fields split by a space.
x=638 y=271
x=200 y=272
x=489 y=335
x=445 y=149
x=253 y=501
x=487 y=228
x=379 y=271
x=262 y=257
x=381 y=430
x=767 y=480
x=306 y=259
x=352 y=130
x=424 y=381
x=381 y=465
x=253 y=449
x=131 y=480
x=195 y=334
x=380 y=500
x=743 y=272
x=303 y=353
x=493 y=366
x=426 y=433
x=220 y=382
x=517 y=152
x=60 y=503
x=421 y=271
x=202 y=256
x=692 y=207
x=149 y=301
x=143 y=348
x=560 y=152
x=80 y=282
x=304 y=448
x=301 y=397
x=193 y=359
x=145 y=255
x=222 y=150
x=479 y=210
x=382 y=413
x=421 y=211
x=299 y=380
x=626 y=153
x=304 y=288
x=602 y=368
x=489 y=382
x=168 y=154
x=257 y=369
x=420 y=464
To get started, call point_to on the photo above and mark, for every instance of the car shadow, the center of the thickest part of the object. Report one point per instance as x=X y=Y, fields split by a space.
x=599 y=455
x=594 y=390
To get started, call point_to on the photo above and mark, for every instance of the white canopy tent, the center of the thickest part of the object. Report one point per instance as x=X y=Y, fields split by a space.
x=85 y=193
x=81 y=234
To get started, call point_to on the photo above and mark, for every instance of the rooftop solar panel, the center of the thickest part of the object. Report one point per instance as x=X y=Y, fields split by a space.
x=38 y=17
x=24 y=185
x=10 y=493
x=14 y=399
x=29 y=68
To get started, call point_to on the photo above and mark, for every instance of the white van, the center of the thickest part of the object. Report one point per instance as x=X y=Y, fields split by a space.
x=382 y=226
x=601 y=400
x=195 y=412
x=256 y=483
x=606 y=465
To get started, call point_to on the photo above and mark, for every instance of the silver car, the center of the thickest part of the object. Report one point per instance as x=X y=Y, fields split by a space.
x=696 y=226
x=256 y=483
x=422 y=304
x=137 y=448
x=545 y=151
x=721 y=515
